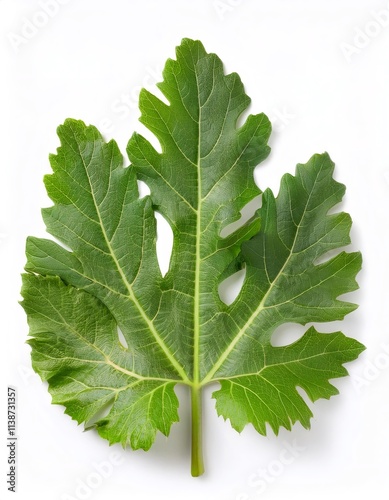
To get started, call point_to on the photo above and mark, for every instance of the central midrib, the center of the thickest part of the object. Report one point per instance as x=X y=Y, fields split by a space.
x=196 y=308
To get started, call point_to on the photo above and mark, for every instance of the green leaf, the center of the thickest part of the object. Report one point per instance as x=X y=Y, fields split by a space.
x=109 y=332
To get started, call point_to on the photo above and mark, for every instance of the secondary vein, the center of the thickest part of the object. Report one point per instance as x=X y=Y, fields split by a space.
x=260 y=307
x=131 y=294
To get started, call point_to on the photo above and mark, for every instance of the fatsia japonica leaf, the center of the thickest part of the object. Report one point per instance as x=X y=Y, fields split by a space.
x=109 y=331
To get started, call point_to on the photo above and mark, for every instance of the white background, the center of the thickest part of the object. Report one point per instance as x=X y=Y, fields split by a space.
x=325 y=86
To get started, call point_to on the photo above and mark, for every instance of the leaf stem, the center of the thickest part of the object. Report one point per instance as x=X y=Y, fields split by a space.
x=197 y=467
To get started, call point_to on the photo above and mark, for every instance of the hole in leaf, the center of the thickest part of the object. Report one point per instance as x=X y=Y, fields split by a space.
x=153 y=140
x=354 y=297
x=158 y=93
x=246 y=213
x=61 y=243
x=101 y=413
x=122 y=339
x=286 y=334
x=243 y=117
x=164 y=243
x=326 y=257
x=229 y=288
x=304 y=395
x=336 y=209
x=143 y=189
